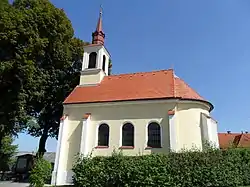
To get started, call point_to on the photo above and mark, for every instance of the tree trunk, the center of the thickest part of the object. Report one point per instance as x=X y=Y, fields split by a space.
x=42 y=143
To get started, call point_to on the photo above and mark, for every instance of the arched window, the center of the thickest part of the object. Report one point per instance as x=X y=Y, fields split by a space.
x=154 y=135
x=103 y=63
x=128 y=135
x=103 y=135
x=92 y=60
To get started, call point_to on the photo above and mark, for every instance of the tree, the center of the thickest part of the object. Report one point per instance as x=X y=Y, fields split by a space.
x=4 y=3
x=110 y=67
x=57 y=65
x=58 y=90
x=39 y=66
x=8 y=151
x=16 y=73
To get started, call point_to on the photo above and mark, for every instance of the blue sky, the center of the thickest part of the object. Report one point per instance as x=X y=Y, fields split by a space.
x=206 y=42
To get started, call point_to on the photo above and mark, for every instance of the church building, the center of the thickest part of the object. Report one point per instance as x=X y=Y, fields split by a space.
x=136 y=113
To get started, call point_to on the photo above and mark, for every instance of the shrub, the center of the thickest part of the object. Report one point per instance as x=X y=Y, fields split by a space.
x=40 y=173
x=187 y=169
x=7 y=153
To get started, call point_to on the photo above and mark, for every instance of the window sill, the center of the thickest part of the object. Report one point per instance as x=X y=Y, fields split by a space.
x=126 y=147
x=101 y=147
x=148 y=147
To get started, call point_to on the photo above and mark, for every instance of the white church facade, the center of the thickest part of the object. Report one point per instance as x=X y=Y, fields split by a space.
x=137 y=113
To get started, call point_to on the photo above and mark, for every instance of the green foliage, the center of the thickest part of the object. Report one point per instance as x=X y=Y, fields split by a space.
x=15 y=73
x=40 y=173
x=40 y=60
x=187 y=169
x=4 y=3
x=8 y=150
x=110 y=67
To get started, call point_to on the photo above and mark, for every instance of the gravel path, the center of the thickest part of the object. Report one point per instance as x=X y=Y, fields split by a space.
x=13 y=184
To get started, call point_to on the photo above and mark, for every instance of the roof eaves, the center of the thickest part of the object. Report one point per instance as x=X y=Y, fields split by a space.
x=142 y=99
x=125 y=100
x=200 y=100
x=65 y=101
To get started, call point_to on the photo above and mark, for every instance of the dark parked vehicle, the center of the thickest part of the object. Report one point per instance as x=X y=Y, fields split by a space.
x=23 y=166
x=20 y=171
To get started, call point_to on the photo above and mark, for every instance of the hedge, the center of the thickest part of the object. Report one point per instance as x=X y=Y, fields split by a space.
x=187 y=169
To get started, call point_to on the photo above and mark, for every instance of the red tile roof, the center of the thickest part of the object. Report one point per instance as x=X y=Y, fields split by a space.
x=244 y=141
x=135 y=86
x=239 y=140
x=184 y=91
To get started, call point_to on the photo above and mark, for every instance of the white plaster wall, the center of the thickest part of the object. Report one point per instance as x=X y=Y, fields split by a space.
x=100 y=50
x=85 y=60
x=95 y=75
x=209 y=130
x=204 y=128
x=173 y=132
x=59 y=168
x=115 y=116
x=91 y=76
x=73 y=141
x=188 y=125
x=140 y=114
x=213 y=132
x=64 y=145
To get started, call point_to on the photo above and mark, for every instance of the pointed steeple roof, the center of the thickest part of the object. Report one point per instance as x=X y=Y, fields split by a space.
x=99 y=23
x=98 y=36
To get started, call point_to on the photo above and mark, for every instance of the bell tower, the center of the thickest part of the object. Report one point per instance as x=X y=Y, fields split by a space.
x=95 y=58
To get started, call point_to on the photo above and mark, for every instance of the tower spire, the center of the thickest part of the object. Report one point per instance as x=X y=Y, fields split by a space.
x=98 y=36
x=99 y=23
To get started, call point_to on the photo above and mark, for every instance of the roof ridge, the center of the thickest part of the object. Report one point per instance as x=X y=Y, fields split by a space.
x=237 y=139
x=189 y=87
x=136 y=73
x=173 y=77
x=231 y=133
x=244 y=136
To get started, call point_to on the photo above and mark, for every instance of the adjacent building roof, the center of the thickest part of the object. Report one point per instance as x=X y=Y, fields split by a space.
x=49 y=156
x=161 y=84
x=239 y=140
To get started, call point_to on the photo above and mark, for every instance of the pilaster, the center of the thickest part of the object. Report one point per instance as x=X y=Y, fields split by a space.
x=209 y=130
x=172 y=131
x=99 y=59
x=59 y=173
x=85 y=134
x=85 y=60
